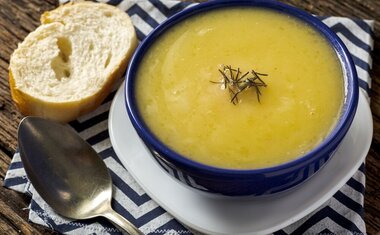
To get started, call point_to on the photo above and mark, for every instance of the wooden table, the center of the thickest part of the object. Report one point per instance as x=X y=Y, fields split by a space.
x=19 y=17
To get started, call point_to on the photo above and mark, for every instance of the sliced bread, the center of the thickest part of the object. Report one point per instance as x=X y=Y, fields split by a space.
x=67 y=66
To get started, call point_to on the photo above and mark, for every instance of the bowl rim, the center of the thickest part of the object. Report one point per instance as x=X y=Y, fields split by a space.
x=326 y=146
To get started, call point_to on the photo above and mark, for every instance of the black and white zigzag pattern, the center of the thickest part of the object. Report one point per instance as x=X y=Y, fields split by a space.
x=342 y=214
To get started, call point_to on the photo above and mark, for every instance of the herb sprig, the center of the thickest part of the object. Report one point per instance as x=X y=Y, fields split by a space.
x=236 y=82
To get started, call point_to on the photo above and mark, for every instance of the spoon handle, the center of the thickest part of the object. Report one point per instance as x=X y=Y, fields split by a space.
x=122 y=223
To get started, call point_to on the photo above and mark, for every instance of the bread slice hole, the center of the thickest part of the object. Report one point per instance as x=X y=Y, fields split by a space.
x=67 y=73
x=64 y=46
x=107 y=14
x=108 y=60
x=60 y=64
x=91 y=47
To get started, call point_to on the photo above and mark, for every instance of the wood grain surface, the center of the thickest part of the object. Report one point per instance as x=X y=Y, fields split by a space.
x=19 y=17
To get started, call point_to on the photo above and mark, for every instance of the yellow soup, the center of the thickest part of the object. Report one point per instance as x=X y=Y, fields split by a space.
x=195 y=117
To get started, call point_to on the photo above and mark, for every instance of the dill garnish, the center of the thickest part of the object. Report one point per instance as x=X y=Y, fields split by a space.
x=236 y=82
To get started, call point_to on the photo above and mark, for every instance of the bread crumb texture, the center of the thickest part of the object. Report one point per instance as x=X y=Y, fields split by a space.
x=76 y=54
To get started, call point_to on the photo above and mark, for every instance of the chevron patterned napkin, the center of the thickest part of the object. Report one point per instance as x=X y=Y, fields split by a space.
x=342 y=214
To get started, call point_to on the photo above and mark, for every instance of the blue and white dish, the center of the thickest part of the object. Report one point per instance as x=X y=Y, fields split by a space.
x=255 y=182
x=230 y=215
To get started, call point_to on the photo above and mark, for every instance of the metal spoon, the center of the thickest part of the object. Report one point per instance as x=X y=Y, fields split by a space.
x=67 y=173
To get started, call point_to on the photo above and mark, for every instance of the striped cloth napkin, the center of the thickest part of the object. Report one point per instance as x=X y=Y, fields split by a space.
x=342 y=214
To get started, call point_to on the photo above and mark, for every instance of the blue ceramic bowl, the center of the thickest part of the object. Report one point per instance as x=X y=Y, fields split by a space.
x=255 y=182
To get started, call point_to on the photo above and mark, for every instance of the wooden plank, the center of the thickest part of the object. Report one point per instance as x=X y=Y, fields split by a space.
x=14 y=213
x=12 y=223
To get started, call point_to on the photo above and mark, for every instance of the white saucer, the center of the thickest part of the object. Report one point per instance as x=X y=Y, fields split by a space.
x=222 y=215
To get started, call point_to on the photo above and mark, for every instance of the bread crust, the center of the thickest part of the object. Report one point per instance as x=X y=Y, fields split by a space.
x=65 y=111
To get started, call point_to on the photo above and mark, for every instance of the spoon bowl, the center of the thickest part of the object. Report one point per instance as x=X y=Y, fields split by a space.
x=67 y=172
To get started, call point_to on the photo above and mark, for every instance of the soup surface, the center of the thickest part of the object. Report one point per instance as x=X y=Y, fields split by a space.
x=195 y=117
